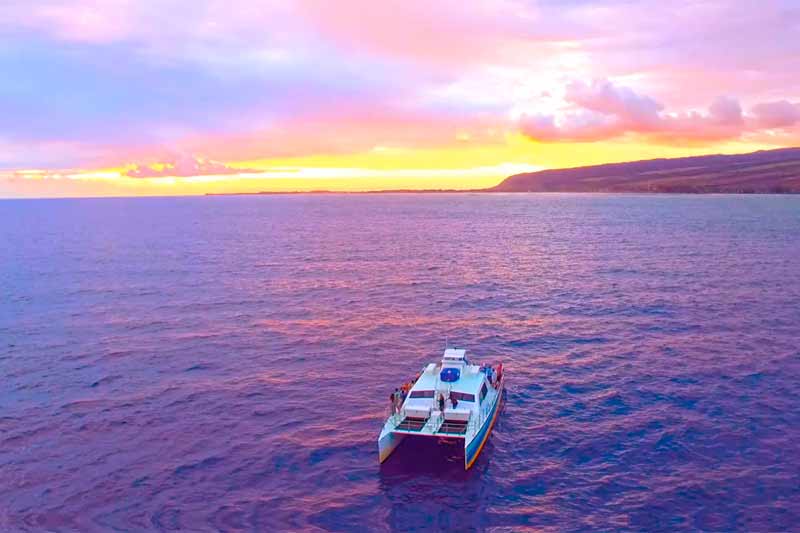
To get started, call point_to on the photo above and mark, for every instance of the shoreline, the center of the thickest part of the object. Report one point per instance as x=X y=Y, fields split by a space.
x=490 y=191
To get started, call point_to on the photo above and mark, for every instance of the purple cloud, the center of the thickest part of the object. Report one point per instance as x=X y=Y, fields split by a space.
x=725 y=111
x=781 y=114
x=622 y=102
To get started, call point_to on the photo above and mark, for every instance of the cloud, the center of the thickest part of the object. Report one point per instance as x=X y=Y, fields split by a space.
x=780 y=114
x=601 y=110
x=440 y=33
x=121 y=80
x=596 y=111
x=577 y=126
x=604 y=97
x=184 y=166
x=725 y=111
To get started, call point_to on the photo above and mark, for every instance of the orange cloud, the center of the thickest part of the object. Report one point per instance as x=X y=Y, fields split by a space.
x=182 y=166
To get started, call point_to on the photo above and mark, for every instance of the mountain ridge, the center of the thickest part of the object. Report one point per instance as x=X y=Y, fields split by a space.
x=763 y=171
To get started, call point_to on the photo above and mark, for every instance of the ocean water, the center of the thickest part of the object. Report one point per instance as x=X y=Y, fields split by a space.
x=224 y=364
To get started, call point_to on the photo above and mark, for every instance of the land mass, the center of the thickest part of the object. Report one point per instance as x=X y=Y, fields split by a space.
x=762 y=172
x=767 y=171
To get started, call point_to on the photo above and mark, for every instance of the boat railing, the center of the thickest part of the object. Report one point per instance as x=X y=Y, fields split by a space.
x=436 y=419
x=453 y=428
x=393 y=415
x=476 y=422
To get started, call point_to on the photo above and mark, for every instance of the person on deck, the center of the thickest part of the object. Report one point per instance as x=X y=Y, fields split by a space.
x=441 y=402
x=400 y=398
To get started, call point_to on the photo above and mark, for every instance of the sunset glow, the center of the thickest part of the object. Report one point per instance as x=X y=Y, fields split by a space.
x=204 y=96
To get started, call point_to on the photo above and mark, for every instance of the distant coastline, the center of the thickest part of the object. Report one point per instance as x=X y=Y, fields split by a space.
x=478 y=191
x=324 y=191
x=762 y=172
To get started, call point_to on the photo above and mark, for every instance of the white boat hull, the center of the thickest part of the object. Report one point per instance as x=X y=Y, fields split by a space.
x=472 y=449
x=387 y=443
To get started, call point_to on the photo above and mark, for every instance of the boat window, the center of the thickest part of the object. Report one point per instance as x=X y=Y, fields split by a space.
x=462 y=396
x=484 y=390
x=422 y=394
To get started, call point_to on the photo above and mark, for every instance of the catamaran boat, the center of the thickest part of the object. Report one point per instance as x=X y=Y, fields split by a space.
x=451 y=400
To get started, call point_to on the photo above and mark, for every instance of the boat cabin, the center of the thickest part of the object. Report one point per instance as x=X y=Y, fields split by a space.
x=453 y=390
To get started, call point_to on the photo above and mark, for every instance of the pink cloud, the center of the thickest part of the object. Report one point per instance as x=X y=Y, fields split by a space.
x=602 y=111
x=350 y=128
x=577 y=126
x=781 y=114
x=446 y=33
x=725 y=111
x=604 y=97
x=388 y=57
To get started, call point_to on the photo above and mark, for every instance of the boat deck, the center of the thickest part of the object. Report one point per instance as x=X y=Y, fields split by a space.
x=452 y=401
x=412 y=424
x=431 y=427
x=452 y=427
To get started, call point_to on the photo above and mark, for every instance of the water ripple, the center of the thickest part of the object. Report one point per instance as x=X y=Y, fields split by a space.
x=221 y=364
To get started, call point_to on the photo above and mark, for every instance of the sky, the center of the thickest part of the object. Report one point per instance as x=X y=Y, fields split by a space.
x=168 y=97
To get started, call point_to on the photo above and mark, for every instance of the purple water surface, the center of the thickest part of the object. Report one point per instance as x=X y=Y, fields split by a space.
x=223 y=364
